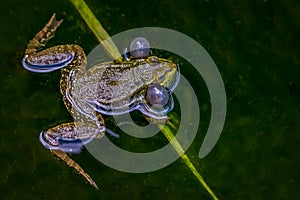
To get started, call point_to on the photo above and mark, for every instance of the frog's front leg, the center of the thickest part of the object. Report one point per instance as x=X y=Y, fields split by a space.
x=70 y=138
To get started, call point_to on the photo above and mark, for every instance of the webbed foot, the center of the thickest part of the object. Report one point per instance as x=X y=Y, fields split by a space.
x=64 y=157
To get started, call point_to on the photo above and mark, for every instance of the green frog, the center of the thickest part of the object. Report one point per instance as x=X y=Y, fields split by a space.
x=139 y=82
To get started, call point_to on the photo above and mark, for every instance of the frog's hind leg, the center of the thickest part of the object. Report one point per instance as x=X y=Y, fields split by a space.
x=42 y=37
x=51 y=59
x=64 y=157
x=70 y=138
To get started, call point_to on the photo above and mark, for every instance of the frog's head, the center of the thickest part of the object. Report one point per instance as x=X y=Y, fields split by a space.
x=164 y=72
x=164 y=78
x=160 y=71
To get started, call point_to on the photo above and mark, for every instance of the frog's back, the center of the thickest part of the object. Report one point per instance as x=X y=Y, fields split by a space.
x=113 y=83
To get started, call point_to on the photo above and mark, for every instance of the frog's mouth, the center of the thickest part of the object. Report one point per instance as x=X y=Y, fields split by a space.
x=172 y=80
x=177 y=78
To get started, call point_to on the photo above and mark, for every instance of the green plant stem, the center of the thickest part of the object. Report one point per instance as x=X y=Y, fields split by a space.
x=168 y=134
x=96 y=27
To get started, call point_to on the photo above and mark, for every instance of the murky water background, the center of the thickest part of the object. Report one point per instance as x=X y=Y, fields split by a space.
x=255 y=45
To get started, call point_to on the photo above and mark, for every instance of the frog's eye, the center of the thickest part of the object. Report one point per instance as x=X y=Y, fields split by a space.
x=154 y=60
x=161 y=78
x=139 y=48
x=157 y=95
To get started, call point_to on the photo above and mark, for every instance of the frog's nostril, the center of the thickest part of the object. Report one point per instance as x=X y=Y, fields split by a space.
x=157 y=95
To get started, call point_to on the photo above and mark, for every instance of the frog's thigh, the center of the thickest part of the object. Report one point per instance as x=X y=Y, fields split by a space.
x=70 y=137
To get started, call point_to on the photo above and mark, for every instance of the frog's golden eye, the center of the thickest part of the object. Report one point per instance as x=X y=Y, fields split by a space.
x=154 y=60
x=161 y=78
x=139 y=48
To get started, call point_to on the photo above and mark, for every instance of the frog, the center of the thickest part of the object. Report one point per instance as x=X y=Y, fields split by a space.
x=139 y=81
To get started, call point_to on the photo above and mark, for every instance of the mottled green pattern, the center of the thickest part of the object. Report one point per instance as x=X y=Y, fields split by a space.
x=255 y=44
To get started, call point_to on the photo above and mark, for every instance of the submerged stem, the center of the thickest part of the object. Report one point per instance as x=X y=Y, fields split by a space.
x=96 y=27
x=169 y=135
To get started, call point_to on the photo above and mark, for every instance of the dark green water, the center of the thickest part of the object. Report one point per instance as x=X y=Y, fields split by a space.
x=255 y=45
